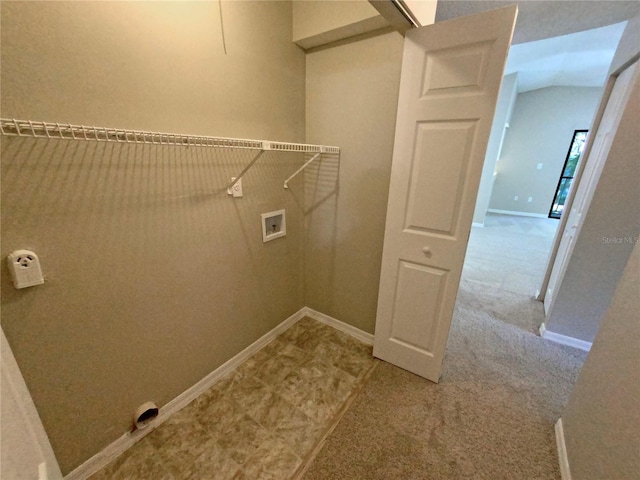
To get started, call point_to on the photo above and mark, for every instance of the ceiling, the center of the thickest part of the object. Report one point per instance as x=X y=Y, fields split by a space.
x=579 y=59
x=557 y=42
x=538 y=19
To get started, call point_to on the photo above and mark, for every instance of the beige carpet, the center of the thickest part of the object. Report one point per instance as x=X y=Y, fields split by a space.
x=491 y=416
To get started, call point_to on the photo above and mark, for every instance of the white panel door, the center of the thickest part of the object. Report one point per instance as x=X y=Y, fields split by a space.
x=451 y=76
x=590 y=177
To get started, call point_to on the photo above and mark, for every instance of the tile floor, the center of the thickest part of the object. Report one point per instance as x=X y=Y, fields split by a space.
x=262 y=421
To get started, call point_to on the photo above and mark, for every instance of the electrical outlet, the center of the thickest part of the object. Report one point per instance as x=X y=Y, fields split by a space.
x=530 y=199
x=515 y=198
x=25 y=269
x=236 y=190
x=539 y=166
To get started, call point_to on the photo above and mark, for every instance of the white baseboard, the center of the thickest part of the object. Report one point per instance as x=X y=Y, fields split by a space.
x=565 y=471
x=115 y=449
x=477 y=224
x=119 y=446
x=563 y=339
x=519 y=214
x=338 y=325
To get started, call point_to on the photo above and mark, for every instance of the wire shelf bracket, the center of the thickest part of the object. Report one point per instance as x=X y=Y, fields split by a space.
x=306 y=164
x=236 y=179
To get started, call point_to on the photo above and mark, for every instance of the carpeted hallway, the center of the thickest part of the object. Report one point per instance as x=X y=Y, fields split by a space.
x=502 y=388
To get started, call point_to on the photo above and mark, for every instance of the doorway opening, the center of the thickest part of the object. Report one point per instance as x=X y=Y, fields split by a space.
x=511 y=239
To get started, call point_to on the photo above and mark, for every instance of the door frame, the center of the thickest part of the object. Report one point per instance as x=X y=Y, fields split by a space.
x=20 y=404
x=627 y=53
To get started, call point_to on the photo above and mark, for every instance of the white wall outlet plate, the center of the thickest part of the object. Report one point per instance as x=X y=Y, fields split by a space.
x=236 y=190
x=25 y=269
x=274 y=225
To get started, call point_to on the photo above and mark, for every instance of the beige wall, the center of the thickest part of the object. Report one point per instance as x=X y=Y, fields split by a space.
x=154 y=276
x=611 y=228
x=602 y=420
x=540 y=131
x=501 y=118
x=352 y=96
x=318 y=22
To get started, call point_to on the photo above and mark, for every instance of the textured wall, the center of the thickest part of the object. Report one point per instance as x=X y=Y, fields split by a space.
x=352 y=97
x=154 y=276
x=602 y=420
x=540 y=131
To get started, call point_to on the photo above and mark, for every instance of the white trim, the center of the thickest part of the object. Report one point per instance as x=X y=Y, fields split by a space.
x=115 y=449
x=477 y=224
x=338 y=325
x=519 y=214
x=18 y=405
x=548 y=301
x=563 y=459
x=563 y=339
x=119 y=446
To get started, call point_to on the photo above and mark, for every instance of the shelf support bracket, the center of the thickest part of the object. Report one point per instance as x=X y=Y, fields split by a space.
x=265 y=146
x=307 y=163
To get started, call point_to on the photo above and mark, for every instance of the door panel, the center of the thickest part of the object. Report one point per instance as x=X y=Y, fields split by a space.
x=439 y=167
x=451 y=75
x=418 y=295
x=454 y=71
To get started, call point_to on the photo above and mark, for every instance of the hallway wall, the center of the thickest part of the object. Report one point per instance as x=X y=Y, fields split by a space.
x=602 y=421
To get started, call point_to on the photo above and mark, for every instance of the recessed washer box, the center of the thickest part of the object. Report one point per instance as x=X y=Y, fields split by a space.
x=274 y=225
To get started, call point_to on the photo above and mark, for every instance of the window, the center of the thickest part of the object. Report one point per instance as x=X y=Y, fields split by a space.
x=568 y=172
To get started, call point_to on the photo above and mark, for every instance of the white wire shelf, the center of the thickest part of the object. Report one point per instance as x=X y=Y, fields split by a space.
x=67 y=131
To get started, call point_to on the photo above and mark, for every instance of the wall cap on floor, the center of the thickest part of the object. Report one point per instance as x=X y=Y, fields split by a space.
x=119 y=446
